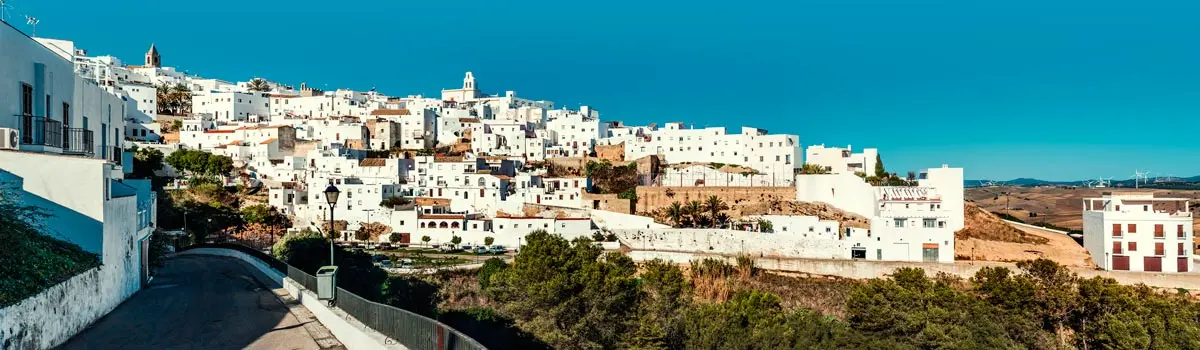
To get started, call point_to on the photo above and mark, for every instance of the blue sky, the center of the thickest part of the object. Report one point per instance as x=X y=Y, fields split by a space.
x=1006 y=89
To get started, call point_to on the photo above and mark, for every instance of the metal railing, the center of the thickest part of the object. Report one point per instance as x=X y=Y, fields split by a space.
x=409 y=329
x=114 y=154
x=78 y=141
x=405 y=327
x=41 y=131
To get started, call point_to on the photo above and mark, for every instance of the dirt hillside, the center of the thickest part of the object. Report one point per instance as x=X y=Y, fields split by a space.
x=980 y=224
x=818 y=209
x=1062 y=206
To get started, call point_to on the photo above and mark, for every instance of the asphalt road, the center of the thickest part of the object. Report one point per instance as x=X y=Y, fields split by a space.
x=204 y=302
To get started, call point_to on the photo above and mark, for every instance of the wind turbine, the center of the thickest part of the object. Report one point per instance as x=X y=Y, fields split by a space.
x=1139 y=177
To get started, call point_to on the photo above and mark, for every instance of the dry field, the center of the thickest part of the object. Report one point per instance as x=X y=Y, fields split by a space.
x=1061 y=206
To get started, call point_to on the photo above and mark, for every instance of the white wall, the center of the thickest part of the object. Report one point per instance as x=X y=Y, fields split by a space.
x=844 y=191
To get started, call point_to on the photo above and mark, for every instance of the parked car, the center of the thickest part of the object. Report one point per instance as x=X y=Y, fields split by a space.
x=498 y=249
x=378 y=257
x=406 y=263
x=386 y=263
x=482 y=250
x=467 y=248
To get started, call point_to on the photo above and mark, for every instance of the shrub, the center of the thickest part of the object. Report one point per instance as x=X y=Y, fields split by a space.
x=33 y=261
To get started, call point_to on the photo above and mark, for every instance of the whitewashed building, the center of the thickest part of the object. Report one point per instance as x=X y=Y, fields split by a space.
x=842 y=160
x=776 y=155
x=1134 y=231
x=229 y=107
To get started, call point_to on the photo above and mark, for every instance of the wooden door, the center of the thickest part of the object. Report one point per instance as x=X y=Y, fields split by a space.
x=1152 y=264
x=1120 y=263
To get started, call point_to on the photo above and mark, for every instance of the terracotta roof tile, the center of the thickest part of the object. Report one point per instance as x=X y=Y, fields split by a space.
x=428 y=201
x=373 y=162
x=268 y=141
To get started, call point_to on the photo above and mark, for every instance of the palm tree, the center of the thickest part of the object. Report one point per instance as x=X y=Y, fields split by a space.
x=694 y=209
x=675 y=213
x=714 y=205
x=182 y=98
x=164 y=97
x=258 y=84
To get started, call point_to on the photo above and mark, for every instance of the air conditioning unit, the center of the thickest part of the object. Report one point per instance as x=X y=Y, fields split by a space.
x=9 y=138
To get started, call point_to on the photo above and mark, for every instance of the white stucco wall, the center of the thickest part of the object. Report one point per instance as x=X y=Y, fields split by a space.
x=55 y=315
x=844 y=191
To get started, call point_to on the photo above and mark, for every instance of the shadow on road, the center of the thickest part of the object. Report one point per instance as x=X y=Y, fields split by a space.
x=199 y=302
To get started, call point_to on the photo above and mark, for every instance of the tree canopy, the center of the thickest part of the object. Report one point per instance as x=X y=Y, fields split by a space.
x=199 y=162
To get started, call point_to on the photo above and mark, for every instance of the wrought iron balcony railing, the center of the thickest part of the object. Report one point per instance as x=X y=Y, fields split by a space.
x=40 y=131
x=78 y=141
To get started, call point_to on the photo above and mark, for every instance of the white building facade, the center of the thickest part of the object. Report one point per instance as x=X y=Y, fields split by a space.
x=1139 y=232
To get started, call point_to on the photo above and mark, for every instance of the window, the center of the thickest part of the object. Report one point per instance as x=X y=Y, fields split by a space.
x=1117 y=248
x=1133 y=246
x=1158 y=248
x=1182 y=249
x=1179 y=231
x=1132 y=228
x=899 y=222
x=1116 y=230
x=929 y=223
x=1158 y=231
x=26 y=99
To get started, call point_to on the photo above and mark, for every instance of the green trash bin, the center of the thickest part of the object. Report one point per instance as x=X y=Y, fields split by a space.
x=327 y=282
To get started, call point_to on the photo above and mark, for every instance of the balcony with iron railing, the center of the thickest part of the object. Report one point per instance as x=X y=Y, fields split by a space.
x=78 y=141
x=40 y=131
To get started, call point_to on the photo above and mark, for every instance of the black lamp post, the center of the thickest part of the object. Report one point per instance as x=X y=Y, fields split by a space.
x=331 y=197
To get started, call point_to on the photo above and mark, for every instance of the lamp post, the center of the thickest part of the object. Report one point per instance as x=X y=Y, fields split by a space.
x=331 y=197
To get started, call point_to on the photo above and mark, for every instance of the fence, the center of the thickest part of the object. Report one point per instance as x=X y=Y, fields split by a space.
x=405 y=327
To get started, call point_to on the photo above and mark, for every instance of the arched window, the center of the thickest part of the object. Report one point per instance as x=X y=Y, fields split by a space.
x=442 y=225
x=454 y=224
x=482 y=182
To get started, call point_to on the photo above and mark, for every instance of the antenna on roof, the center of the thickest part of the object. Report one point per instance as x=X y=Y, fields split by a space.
x=31 y=21
x=4 y=11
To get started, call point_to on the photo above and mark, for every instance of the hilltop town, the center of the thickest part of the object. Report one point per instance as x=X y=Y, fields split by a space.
x=126 y=165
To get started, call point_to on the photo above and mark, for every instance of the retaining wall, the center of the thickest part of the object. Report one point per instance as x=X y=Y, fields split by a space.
x=878 y=269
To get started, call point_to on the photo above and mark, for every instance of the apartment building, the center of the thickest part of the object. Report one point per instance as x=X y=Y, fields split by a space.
x=231 y=106
x=776 y=155
x=1135 y=231
x=842 y=160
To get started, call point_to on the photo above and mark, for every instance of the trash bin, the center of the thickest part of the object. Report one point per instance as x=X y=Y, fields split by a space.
x=327 y=282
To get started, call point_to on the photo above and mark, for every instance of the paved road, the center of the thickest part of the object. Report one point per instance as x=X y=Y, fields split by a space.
x=204 y=302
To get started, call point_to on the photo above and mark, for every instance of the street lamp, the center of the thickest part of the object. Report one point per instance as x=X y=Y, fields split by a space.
x=331 y=197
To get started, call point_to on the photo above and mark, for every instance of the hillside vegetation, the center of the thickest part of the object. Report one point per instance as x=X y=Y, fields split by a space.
x=33 y=261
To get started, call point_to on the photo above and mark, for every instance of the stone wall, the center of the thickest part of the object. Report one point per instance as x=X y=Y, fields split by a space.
x=611 y=152
x=878 y=269
x=608 y=202
x=732 y=242
x=651 y=198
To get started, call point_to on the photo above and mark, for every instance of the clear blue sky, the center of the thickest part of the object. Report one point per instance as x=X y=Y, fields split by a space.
x=1057 y=90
